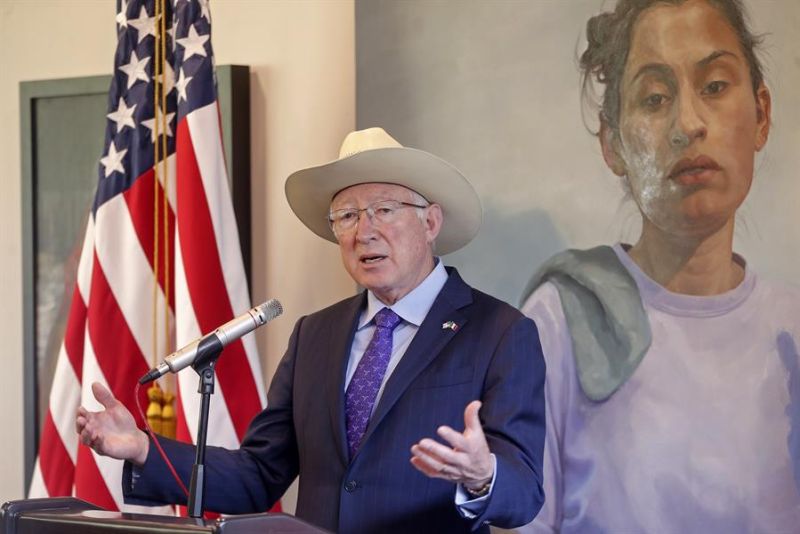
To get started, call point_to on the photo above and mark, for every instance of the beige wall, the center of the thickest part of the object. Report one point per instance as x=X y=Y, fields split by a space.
x=301 y=55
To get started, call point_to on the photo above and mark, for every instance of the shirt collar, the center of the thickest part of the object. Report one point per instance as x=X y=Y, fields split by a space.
x=414 y=307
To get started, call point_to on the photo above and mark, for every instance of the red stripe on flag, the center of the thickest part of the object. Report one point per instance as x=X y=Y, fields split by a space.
x=75 y=332
x=139 y=199
x=206 y=282
x=117 y=353
x=56 y=465
x=89 y=483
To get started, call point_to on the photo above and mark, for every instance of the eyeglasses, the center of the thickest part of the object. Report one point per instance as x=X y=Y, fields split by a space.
x=382 y=212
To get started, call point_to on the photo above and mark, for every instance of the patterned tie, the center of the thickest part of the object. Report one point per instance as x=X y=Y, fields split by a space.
x=366 y=381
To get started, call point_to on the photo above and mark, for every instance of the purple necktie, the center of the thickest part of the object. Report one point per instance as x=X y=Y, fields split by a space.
x=366 y=381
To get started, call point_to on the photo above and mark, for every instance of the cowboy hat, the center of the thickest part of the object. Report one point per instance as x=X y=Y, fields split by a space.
x=373 y=156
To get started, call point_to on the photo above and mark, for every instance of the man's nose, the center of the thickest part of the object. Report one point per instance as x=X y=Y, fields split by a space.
x=365 y=227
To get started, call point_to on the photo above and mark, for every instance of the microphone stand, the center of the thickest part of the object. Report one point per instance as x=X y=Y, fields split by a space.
x=210 y=350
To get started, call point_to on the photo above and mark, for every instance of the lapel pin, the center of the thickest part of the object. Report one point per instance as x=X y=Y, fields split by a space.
x=451 y=325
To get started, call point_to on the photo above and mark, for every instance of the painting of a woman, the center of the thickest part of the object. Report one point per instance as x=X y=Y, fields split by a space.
x=673 y=383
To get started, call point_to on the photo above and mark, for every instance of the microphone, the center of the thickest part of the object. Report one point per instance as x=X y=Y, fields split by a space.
x=211 y=344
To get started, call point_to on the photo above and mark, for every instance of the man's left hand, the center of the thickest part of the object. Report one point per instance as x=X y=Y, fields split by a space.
x=467 y=461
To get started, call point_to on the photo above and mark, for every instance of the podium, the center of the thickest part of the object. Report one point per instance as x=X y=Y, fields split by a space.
x=67 y=515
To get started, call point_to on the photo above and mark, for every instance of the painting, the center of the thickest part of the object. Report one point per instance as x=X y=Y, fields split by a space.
x=656 y=141
x=499 y=95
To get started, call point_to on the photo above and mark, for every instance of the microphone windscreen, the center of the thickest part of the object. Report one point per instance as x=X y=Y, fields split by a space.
x=271 y=309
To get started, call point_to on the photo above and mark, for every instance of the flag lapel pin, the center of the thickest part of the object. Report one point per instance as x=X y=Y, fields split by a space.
x=451 y=325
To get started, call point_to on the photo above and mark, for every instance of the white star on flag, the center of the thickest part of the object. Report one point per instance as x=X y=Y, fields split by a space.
x=150 y=123
x=113 y=160
x=122 y=16
x=181 y=84
x=123 y=116
x=167 y=79
x=204 y=10
x=194 y=44
x=136 y=69
x=144 y=25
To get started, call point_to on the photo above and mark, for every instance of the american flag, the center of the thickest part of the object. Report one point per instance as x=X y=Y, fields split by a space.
x=115 y=332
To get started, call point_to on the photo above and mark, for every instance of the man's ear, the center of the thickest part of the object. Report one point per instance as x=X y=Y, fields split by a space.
x=609 y=142
x=433 y=222
x=763 y=116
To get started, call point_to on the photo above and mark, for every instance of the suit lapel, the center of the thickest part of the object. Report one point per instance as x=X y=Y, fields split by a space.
x=428 y=342
x=337 y=344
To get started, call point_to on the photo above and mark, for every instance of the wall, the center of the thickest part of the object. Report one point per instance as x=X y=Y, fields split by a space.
x=301 y=56
x=493 y=87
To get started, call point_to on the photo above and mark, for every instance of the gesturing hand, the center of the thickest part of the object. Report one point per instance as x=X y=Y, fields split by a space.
x=111 y=432
x=468 y=462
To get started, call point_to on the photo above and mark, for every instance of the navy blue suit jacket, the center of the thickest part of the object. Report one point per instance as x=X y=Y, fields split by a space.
x=494 y=355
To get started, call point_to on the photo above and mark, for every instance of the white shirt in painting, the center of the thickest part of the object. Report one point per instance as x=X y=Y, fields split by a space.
x=705 y=435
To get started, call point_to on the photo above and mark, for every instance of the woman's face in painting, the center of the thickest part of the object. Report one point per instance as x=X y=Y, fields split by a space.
x=689 y=122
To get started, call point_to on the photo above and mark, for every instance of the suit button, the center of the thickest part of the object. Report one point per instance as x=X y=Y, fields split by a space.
x=350 y=486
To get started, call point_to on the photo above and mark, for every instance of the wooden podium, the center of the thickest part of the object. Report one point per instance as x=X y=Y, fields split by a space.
x=66 y=515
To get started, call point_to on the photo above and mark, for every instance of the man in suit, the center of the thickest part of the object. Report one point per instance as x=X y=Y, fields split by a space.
x=367 y=382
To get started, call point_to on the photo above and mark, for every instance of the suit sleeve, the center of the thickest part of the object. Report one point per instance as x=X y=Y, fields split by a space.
x=247 y=480
x=513 y=418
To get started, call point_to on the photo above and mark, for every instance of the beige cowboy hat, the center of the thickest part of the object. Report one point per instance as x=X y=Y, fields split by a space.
x=372 y=155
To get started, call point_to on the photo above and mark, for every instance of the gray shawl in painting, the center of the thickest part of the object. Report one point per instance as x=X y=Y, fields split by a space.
x=604 y=312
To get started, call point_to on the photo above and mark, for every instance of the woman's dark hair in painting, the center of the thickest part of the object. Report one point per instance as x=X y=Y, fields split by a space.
x=609 y=39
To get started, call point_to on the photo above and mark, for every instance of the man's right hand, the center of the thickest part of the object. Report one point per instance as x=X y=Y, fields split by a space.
x=112 y=431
